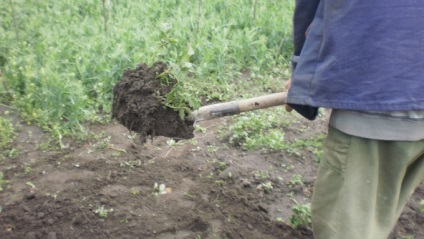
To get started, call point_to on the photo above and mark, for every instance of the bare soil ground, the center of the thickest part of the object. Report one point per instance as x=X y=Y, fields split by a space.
x=114 y=186
x=54 y=193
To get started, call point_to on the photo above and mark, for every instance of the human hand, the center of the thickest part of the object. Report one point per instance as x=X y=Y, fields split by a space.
x=287 y=86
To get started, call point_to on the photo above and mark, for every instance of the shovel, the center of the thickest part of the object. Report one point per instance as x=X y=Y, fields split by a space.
x=236 y=107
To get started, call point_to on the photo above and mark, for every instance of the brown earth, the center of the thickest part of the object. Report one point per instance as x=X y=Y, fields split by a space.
x=137 y=103
x=55 y=193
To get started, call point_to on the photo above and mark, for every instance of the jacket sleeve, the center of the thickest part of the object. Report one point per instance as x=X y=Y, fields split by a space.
x=304 y=14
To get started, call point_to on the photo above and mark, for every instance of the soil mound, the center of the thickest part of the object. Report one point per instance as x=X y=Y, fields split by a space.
x=137 y=104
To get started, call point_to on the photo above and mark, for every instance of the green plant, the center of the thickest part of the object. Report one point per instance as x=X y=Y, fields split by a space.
x=267 y=186
x=255 y=130
x=134 y=191
x=301 y=215
x=7 y=133
x=313 y=145
x=212 y=149
x=27 y=170
x=422 y=206
x=30 y=184
x=63 y=86
x=130 y=164
x=13 y=153
x=2 y=181
x=103 y=143
x=102 y=211
x=159 y=189
x=297 y=179
x=260 y=175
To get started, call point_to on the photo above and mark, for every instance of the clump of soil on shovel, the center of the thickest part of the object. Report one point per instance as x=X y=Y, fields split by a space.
x=137 y=104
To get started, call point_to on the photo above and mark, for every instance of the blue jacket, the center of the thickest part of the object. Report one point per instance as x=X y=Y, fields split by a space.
x=359 y=55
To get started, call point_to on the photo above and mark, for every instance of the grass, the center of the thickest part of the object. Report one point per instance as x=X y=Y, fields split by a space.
x=59 y=65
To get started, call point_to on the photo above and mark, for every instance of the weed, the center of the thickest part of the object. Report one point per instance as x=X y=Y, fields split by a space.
x=134 y=191
x=220 y=182
x=131 y=164
x=159 y=189
x=62 y=86
x=313 y=145
x=103 y=143
x=297 y=179
x=255 y=130
x=219 y=165
x=7 y=133
x=212 y=149
x=27 y=170
x=422 y=206
x=171 y=142
x=13 y=153
x=301 y=215
x=30 y=184
x=2 y=181
x=199 y=128
x=267 y=186
x=102 y=211
x=117 y=154
x=261 y=175
x=288 y=167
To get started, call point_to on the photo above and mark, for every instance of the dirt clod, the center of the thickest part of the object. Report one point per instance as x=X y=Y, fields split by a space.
x=137 y=104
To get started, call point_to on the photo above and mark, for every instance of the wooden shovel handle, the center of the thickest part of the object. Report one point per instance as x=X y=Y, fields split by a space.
x=236 y=107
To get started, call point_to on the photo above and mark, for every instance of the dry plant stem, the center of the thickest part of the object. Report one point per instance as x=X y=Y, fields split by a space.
x=105 y=16
x=278 y=52
x=199 y=8
x=254 y=9
x=169 y=151
x=14 y=20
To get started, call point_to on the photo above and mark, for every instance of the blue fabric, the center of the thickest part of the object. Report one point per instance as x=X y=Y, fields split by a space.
x=362 y=55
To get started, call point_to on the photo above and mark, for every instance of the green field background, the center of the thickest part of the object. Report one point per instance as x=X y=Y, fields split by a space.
x=59 y=60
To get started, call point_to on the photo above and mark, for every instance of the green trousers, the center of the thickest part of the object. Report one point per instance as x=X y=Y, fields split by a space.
x=363 y=185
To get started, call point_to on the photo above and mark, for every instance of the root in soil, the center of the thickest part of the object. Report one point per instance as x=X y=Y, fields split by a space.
x=137 y=104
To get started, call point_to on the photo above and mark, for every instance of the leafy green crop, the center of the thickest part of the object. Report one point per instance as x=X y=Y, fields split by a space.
x=301 y=215
x=60 y=65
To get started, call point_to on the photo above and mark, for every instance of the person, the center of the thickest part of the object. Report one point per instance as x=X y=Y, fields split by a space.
x=364 y=60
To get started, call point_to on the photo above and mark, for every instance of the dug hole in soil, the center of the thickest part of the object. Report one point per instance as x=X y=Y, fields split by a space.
x=114 y=187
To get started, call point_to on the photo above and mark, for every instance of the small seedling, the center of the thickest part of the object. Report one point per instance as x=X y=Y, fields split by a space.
x=261 y=175
x=30 y=184
x=171 y=142
x=267 y=186
x=102 y=212
x=27 y=170
x=103 y=144
x=134 y=191
x=212 y=149
x=6 y=132
x=159 y=189
x=297 y=179
x=13 y=153
x=198 y=128
x=2 y=181
x=422 y=206
x=131 y=164
x=301 y=215
x=220 y=182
